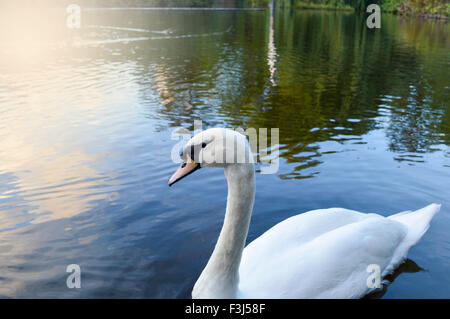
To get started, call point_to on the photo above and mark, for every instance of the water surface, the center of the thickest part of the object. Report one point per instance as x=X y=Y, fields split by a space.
x=87 y=117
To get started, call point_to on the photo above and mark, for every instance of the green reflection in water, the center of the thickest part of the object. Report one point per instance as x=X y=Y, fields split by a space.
x=318 y=76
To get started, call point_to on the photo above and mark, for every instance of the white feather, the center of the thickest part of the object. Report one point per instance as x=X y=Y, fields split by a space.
x=325 y=253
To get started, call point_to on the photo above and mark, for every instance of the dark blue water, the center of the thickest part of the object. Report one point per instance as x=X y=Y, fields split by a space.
x=87 y=117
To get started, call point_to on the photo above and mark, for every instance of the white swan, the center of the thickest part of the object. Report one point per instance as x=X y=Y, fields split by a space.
x=319 y=254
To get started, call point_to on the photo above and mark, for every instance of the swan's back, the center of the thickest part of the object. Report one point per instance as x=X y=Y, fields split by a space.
x=325 y=253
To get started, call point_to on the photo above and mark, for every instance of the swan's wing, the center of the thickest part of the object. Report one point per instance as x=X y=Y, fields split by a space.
x=329 y=260
x=297 y=230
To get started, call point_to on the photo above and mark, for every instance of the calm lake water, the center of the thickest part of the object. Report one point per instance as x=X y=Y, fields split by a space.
x=86 y=127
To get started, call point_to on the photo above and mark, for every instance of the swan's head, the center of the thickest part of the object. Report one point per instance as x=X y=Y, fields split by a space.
x=216 y=147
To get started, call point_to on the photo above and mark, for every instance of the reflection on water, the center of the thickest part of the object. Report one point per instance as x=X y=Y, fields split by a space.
x=86 y=122
x=409 y=266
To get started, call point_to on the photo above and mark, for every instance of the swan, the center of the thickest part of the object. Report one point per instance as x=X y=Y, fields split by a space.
x=324 y=253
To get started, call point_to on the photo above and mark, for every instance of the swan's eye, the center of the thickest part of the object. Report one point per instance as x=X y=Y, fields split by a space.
x=203 y=145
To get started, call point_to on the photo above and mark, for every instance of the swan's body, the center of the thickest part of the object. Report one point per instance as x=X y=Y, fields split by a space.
x=326 y=253
x=318 y=254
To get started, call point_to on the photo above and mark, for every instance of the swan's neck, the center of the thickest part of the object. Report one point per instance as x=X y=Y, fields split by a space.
x=220 y=277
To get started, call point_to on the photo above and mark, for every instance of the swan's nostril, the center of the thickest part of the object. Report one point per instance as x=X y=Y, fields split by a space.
x=183 y=165
x=193 y=151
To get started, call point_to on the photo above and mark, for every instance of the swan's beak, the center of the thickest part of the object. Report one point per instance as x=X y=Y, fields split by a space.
x=184 y=170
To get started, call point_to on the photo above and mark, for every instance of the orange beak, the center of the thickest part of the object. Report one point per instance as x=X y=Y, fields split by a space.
x=184 y=170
